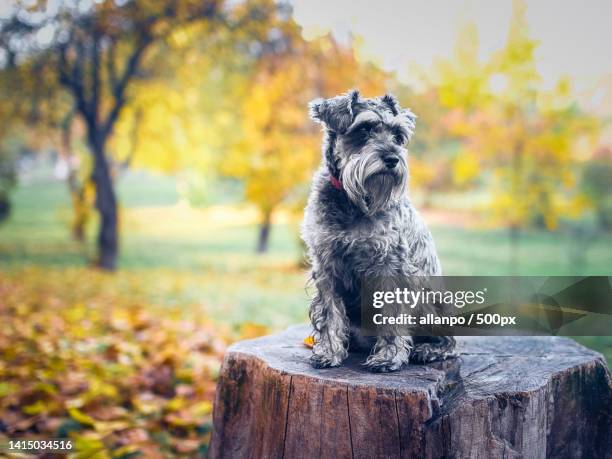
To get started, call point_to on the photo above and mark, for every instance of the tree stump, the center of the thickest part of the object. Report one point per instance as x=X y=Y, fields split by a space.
x=503 y=397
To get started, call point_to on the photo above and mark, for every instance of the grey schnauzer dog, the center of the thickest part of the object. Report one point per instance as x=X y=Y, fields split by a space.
x=359 y=223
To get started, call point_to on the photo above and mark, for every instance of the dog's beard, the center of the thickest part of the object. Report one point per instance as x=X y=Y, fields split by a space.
x=370 y=184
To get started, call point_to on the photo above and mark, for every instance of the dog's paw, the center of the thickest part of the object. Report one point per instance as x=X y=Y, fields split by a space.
x=426 y=353
x=325 y=360
x=376 y=365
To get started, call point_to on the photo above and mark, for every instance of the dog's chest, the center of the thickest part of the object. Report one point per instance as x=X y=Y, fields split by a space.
x=370 y=243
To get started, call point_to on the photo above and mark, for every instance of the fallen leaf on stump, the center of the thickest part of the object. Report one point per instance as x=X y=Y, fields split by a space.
x=309 y=341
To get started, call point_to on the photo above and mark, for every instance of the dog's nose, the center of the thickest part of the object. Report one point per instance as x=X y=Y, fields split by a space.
x=391 y=161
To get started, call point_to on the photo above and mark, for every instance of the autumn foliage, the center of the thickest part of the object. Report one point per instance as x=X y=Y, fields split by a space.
x=78 y=358
x=210 y=98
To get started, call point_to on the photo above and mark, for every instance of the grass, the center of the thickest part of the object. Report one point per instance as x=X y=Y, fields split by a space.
x=203 y=258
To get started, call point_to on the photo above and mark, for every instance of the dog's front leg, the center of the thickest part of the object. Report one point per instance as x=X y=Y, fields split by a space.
x=392 y=350
x=330 y=323
x=429 y=349
x=389 y=353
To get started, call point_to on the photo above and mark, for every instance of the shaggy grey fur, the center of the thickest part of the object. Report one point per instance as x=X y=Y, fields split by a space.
x=364 y=228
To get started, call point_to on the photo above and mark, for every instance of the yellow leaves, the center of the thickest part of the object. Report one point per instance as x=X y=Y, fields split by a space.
x=171 y=127
x=89 y=446
x=202 y=408
x=423 y=173
x=107 y=427
x=309 y=341
x=551 y=221
x=463 y=81
x=148 y=403
x=179 y=37
x=507 y=210
x=276 y=137
x=176 y=404
x=571 y=207
x=193 y=415
x=524 y=140
x=465 y=168
x=35 y=408
x=575 y=207
x=529 y=143
x=46 y=388
x=89 y=359
x=81 y=417
x=101 y=388
x=279 y=147
x=7 y=388
x=520 y=201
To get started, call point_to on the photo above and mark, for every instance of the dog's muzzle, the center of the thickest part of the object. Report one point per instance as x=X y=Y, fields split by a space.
x=390 y=161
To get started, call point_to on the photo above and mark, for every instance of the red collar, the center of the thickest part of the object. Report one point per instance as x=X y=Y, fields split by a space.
x=337 y=184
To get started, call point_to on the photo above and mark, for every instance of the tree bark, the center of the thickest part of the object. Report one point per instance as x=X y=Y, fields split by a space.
x=504 y=397
x=77 y=190
x=264 y=233
x=5 y=207
x=106 y=204
x=81 y=212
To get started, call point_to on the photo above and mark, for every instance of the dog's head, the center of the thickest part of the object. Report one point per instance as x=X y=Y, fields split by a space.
x=366 y=146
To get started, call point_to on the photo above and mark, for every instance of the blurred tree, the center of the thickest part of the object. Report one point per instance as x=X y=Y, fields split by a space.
x=36 y=105
x=8 y=179
x=279 y=147
x=597 y=185
x=456 y=89
x=29 y=100
x=544 y=133
x=71 y=133
x=185 y=118
x=432 y=150
x=530 y=138
x=491 y=122
x=95 y=51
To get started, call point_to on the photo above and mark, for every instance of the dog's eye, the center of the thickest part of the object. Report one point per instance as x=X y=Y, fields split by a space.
x=365 y=130
x=362 y=134
x=399 y=139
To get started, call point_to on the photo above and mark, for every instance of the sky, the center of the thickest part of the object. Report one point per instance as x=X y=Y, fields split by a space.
x=575 y=37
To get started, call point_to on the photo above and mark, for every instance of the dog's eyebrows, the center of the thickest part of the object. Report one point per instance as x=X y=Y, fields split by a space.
x=364 y=118
x=398 y=124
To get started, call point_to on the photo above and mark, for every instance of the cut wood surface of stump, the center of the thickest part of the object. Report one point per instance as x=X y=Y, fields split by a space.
x=503 y=397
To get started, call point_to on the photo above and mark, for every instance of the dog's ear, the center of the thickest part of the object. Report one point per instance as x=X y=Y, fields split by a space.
x=336 y=114
x=410 y=118
x=390 y=101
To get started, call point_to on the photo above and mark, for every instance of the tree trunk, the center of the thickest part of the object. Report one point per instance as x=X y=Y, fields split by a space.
x=264 y=233
x=80 y=209
x=5 y=207
x=106 y=204
x=503 y=397
x=77 y=190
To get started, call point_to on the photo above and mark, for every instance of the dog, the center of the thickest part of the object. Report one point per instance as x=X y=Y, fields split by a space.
x=359 y=223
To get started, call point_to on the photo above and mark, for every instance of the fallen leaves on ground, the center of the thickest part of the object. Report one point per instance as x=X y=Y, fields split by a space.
x=309 y=341
x=122 y=378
